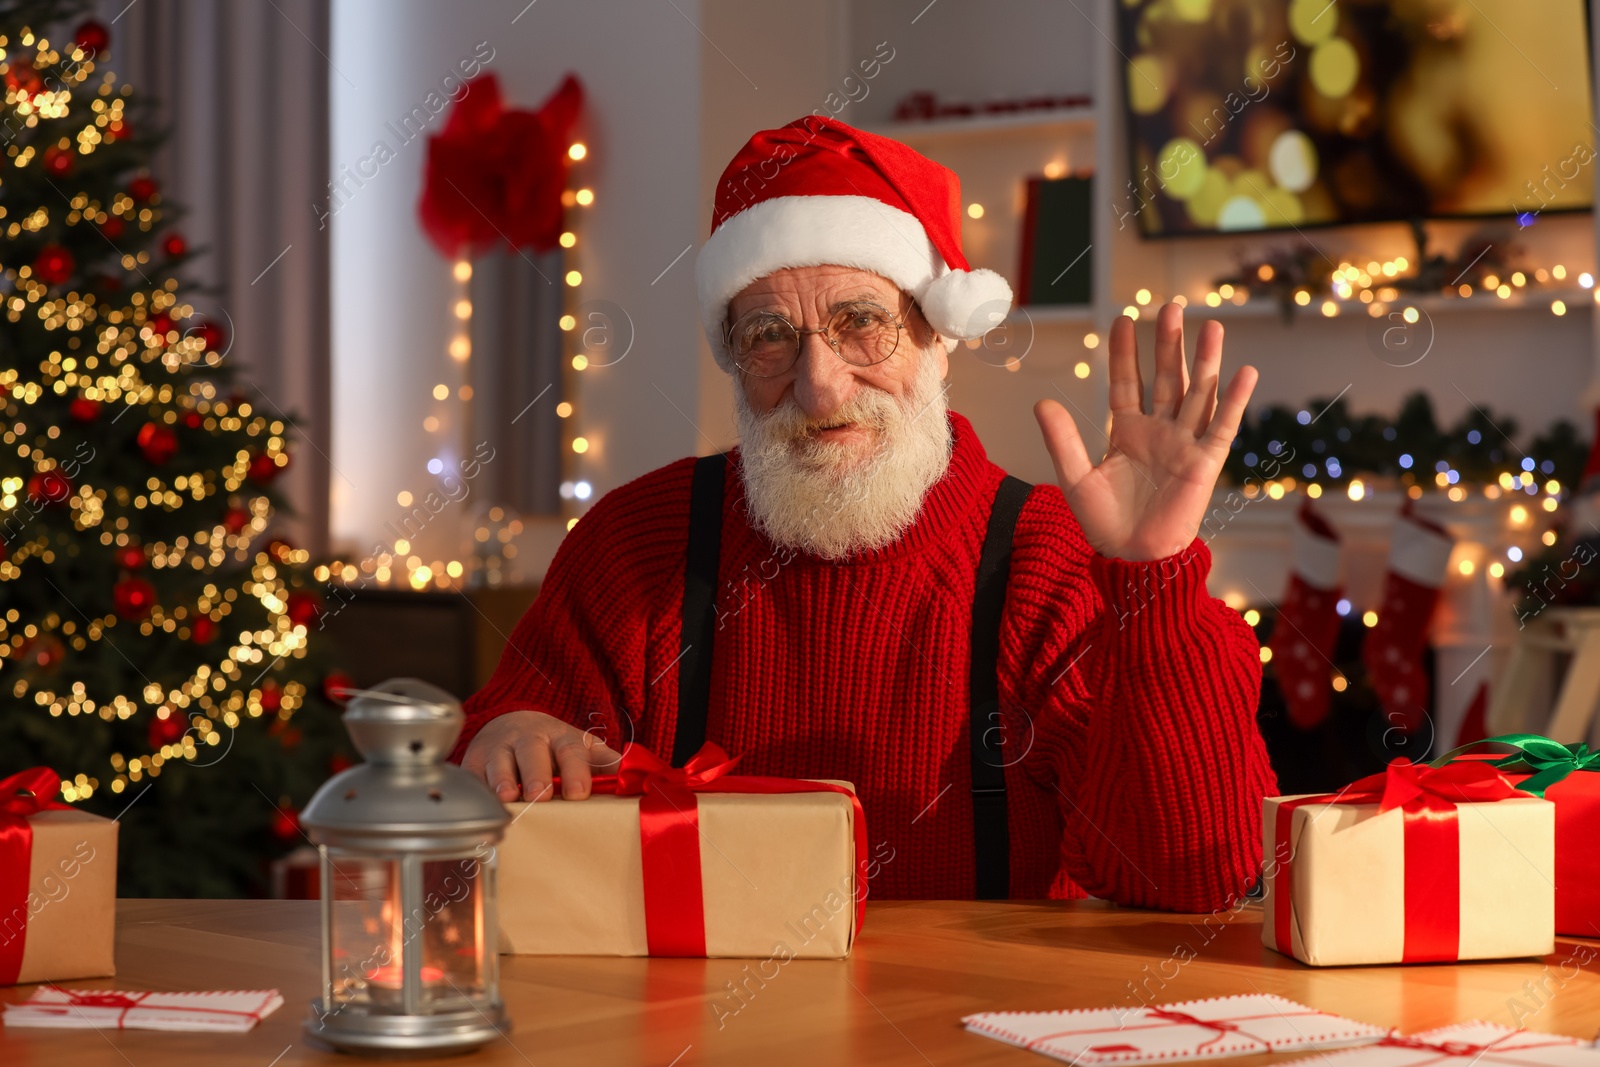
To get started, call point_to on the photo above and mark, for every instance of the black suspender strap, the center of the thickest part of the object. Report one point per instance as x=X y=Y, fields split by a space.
x=699 y=604
x=991 y=833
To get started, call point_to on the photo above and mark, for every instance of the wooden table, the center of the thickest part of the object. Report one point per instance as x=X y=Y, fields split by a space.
x=918 y=967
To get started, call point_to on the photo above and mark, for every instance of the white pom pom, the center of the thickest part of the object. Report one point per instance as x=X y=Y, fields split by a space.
x=966 y=303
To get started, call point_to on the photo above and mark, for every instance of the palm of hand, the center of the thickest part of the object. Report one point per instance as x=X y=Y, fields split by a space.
x=1147 y=497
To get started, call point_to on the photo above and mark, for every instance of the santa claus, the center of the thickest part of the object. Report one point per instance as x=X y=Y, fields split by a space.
x=1029 y=685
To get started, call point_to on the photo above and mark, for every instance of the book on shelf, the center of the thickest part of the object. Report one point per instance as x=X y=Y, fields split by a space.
x=1057 y=258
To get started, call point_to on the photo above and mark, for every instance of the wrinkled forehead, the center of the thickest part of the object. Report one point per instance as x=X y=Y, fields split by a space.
x=798 y=291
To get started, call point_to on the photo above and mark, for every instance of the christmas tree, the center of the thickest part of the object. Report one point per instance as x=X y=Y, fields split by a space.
x=158 y=647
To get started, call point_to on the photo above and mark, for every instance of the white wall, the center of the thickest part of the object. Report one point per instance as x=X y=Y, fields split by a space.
x=392 y=292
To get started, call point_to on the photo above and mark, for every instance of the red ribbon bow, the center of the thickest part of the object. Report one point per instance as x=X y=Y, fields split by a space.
x=669 y=835
x=1222 y=1026
x=21 y=795
x=1427 y=796
x=495 y=174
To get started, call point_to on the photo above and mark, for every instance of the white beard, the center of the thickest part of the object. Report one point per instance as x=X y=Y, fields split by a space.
x=835 y=499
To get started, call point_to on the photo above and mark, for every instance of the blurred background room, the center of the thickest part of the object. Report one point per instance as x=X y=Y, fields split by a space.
x=392 y=292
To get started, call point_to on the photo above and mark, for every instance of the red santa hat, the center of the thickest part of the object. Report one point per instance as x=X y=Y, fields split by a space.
x=816 y=192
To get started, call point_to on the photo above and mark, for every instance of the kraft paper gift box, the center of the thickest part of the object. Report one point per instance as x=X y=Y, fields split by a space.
x=1568 y=777
x=58 y=884
x=1416 y=864
x=694 y=862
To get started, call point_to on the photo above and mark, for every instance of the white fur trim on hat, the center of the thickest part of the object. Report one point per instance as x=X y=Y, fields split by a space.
x=847 y=231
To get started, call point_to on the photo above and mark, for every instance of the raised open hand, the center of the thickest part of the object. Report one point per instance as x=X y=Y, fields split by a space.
x=1148 y=496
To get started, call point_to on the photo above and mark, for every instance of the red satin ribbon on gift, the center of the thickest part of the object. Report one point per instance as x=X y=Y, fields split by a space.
x=21 y=795
x=669 y=835
x=1427 y=796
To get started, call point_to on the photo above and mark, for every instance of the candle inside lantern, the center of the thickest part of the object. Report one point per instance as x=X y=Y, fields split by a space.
x=392 y=975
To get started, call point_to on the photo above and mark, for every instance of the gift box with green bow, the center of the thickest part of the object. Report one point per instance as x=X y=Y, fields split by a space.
x=1569 y=777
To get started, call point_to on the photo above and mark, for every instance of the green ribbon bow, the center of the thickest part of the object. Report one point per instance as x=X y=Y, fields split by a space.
x=1548 y=761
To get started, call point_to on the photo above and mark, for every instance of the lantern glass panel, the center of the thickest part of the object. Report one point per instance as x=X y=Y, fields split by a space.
x=366 y=930
x=456 y=953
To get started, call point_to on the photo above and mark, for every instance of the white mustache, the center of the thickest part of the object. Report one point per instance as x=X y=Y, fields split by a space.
x=837 y=498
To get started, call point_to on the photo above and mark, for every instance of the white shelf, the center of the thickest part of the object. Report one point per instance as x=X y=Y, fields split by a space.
x=1009 y=122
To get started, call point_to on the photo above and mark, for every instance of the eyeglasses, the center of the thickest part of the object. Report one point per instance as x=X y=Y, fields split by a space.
x=766 y=344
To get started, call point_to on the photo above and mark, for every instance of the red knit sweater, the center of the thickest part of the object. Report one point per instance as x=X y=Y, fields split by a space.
x=1131 y=690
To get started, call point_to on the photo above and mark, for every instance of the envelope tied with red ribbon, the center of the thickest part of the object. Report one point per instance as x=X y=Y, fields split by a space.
x=1471 y=1044
x=1195 y=1029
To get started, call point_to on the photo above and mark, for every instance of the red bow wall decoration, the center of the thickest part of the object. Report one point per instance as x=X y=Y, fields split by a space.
x=495 y=174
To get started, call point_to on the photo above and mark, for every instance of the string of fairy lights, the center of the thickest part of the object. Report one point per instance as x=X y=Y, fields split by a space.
x=1369 y=288
x=494 y=535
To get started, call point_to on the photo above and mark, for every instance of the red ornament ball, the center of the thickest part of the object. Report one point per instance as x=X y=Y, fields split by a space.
x=54 y=265
x=82 y=409
x=50 y=487
x=213 y=336
x=160 y=325
x=193 y=420
x=271 y=696
x=286 y=824
x=133 y=598
x=303 y=608
x=143 y=189
x=92 y=36
x=158 y=442
x=168 y=731
x=130 y=557
x=264 y=468
x=59 y=161
x=112 y=228
x=235 y=519
x=22 y=76
x=175 y=245
x=42 y=653
x=202 y=630
x=338 y=686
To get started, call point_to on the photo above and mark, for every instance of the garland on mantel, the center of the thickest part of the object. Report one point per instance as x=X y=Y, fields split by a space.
x=1320 y=445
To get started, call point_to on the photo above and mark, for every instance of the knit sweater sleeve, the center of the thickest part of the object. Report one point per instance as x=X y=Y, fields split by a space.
x=581 y=652
x=1142 y=692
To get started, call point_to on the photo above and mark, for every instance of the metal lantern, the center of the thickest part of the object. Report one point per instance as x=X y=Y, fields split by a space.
x=408 y=883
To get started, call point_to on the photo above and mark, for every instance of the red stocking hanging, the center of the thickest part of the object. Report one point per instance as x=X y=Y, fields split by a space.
x=1308 y=621
x=1584 y=515
x=1392 y=653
